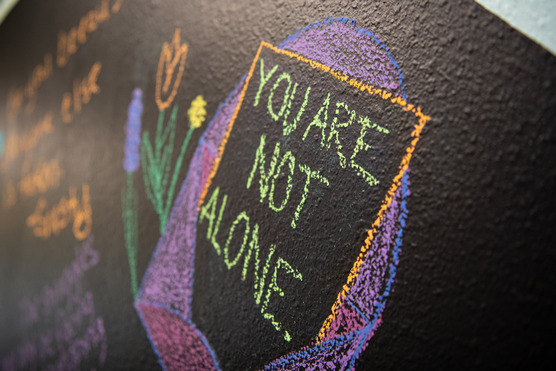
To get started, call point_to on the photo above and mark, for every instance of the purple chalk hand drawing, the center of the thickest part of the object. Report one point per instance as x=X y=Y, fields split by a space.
x=129 y=194
x=164 y=299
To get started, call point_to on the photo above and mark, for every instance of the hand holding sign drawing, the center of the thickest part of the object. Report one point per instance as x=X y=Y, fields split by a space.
x=297 y=137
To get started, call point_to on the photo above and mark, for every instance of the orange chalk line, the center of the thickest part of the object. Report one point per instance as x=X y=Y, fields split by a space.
x=167 y=63
x=26 y=142
x=45 y=223
x=228 y=131
x=351 y=81
x=396 y=182
x=47 y=175
x=371 y=232
x=42 y=72
x=385 y=95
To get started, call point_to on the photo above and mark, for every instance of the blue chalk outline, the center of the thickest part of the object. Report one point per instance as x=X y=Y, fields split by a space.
x=361 y=335
x=363 y=31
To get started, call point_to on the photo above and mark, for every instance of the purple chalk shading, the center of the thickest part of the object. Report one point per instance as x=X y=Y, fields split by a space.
x=168 y=281
x=164 y=299
x=53 y=295
x=360 y=301
x=179 y=344
x=169 y=278
x=133 y=132
x=73 y=335
x=356 y=322
x=338 y=44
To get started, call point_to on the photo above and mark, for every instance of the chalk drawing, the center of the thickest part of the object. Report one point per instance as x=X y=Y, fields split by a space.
x=68 y=211
x=25 y=143
x=73 y=334
x=133 y=132
x=46 y=176
x=129 y=194
x=159 y=177
x=360 y=312
x=70 y=41
x=337 y=48
x=249 y=247
x=9 y=195
x=197 y=113
x=268 y=176
x=167 y=320
x=173 y=55
x=157 y=160
x=81 y=95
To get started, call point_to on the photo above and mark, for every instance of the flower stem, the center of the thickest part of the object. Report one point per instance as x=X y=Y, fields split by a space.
x=129 y=215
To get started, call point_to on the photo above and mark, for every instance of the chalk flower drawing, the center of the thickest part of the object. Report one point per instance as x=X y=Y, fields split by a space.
x=197 y=113
x=159 y=177
x=157 y=160
x=170 y=71
x=129 y=194
x=164 y=301
x=133 y=132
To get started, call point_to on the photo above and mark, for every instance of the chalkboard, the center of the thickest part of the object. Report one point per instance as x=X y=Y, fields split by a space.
x=274 y=185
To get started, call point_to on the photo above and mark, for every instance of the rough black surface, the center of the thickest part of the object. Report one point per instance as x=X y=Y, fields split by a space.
x=331 y=225
x=475 y=283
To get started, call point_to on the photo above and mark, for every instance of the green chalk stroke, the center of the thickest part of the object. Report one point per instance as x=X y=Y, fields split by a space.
x=362 y=146
x=274 y=288
x=159 y=177
x=129 y=194
x=129 y=211
x=276 y=116
x=263 y=82
x=231 y=263
x=208 y=211
x=291 y=165
x=251 y=253
x=289 y=128
x=534 y=18
x=5 y=7
x=317 y=122
x=260 y=162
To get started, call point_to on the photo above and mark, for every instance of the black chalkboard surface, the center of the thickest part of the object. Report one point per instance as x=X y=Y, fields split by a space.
x=274 y=185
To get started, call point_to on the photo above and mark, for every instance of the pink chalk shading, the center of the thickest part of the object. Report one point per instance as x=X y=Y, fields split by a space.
x=179 y=344
x=164 y=299
x=168 y=282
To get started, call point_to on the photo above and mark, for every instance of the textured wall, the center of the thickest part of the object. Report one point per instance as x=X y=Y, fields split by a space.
x=420 y=236
x=532 y=17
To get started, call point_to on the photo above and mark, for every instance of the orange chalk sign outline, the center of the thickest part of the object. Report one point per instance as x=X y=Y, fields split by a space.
x=398 y=101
